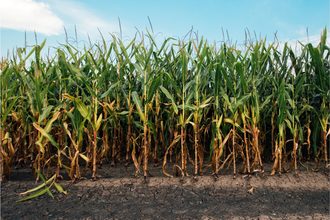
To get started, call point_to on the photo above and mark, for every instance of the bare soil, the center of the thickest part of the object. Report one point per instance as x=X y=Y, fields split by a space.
x=117 y=194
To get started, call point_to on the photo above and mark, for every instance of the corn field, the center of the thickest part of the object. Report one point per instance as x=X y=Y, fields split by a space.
x=187 y=105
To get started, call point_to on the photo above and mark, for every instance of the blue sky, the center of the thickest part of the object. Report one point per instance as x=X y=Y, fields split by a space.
x=289 y=18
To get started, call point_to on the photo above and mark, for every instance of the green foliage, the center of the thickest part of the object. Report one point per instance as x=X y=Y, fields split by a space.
x=64 y=100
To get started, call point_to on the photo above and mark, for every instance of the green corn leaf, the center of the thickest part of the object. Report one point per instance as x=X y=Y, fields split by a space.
x=59 y=188
x=206 y=102
x=289 y=124
x=35 y=194
x=45 y=113
x=46 y=182
x=170 y=97
x=4 y=114
x=153 y=87
x=138 y=104
x=51 y=121
x=230 y=121
x=34 y=189
x=83 y=109
x=123 y=113
x=98 y=122
x=111 y=88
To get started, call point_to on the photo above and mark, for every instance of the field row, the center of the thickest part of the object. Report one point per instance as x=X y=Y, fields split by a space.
x=178 y=103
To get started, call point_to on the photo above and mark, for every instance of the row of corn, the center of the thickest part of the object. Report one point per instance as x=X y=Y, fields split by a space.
x=188 y=104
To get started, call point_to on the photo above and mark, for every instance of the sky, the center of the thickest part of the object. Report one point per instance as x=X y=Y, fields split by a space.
x=47 y=19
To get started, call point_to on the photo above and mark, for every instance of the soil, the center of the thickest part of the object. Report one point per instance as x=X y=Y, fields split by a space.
x=117 y=194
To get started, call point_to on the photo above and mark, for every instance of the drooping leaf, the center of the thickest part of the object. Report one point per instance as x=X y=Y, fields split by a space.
x=45 y=134
x=83 y=109
x=138 y=105
x=170 y=97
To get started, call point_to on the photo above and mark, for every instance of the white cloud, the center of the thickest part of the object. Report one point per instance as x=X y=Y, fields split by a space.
x=29 y=15
x=86 y=21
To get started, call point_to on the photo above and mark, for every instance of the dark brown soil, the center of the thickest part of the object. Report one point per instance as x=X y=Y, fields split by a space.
x=117 y=194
